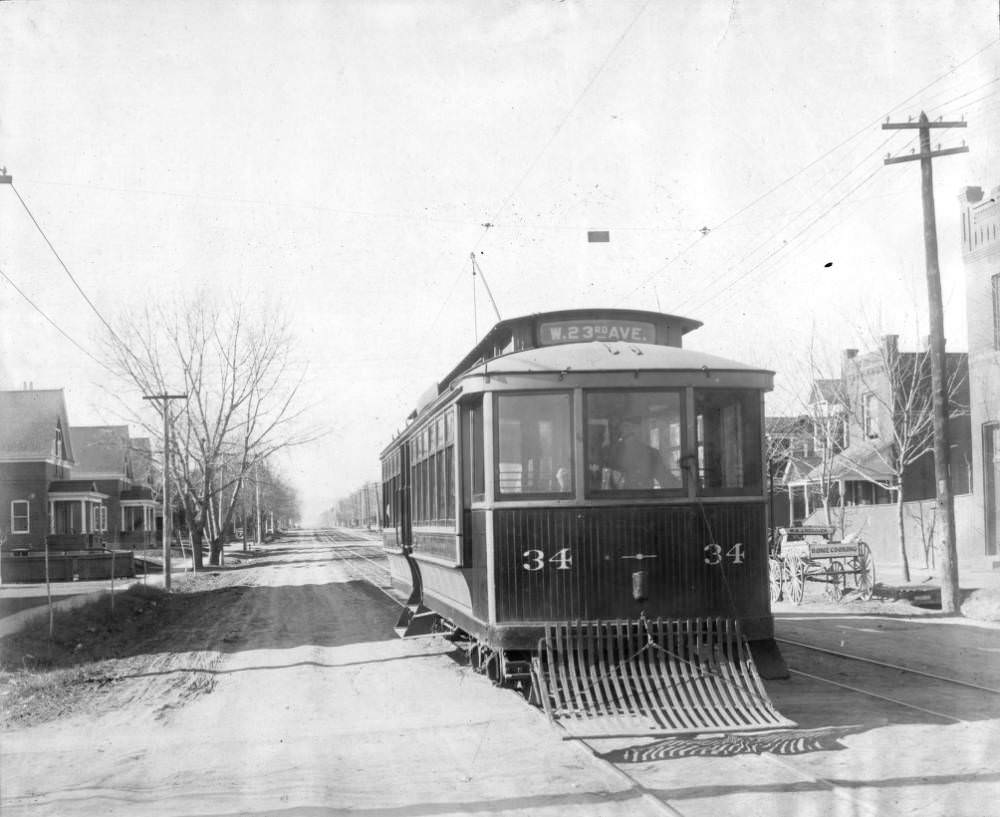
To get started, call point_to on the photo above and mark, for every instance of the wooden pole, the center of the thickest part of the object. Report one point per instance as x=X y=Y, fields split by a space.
x=166 y=398
x=950 y=597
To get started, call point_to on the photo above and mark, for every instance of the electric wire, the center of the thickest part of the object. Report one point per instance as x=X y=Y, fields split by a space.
x=533 y=164
x=714 y=299
x=765 y=242
x=55 y=325
x=810 y=165
x=76 y=283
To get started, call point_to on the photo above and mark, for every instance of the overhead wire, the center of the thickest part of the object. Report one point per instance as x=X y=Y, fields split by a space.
x=865 y=128
x=76 y=283
x=55 y=325
x=761 y=245
x=491 y=222
x=715 y=299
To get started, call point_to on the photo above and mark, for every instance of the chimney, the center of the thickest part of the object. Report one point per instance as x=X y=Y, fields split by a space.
x=890 y=346
x=971 y=195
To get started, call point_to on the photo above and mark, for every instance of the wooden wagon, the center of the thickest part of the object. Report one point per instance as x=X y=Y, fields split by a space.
x=809 y=554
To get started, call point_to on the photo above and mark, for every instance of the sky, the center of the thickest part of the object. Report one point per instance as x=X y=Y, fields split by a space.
x=343 y=160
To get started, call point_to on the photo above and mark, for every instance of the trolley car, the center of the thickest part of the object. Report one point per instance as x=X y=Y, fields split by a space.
x=581 y=500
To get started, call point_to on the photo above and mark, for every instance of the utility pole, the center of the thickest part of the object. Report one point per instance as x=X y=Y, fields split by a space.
x=166 y=398
x=257 y=487
x=939 y=375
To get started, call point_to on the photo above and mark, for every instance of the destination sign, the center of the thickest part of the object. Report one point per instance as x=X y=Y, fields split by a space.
x=579 y=331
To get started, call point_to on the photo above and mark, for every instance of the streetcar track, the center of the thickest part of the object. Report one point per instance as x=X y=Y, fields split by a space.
x=381 y=582
x=877 y=695
x=886 y=665
x=348 y=552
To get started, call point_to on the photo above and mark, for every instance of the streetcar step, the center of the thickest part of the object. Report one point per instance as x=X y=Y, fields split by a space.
x=416 y=620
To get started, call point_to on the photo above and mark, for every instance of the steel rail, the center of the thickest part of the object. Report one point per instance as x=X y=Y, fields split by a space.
x=887 y=665
x=878 y=696
x=378 y=585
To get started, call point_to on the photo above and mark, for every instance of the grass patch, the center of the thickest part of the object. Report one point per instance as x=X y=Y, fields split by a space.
x=42 y=678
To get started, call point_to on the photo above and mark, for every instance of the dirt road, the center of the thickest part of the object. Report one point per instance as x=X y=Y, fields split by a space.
x=293 y=696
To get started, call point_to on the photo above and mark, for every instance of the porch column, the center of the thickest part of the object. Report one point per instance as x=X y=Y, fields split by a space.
x=52 y=518
x=83 y=512
x=122 y=526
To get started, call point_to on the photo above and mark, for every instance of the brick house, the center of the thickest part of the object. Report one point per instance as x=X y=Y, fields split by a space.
x=105 y=455
x=878 y=428
x=981 y=254
x=36 y=452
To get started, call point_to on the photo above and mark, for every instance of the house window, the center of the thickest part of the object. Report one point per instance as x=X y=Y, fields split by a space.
x=100 y=520
x=19 y=521
x=996 y=311
x=870 y=415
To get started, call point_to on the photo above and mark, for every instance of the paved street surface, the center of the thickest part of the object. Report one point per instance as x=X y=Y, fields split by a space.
x=296 y=698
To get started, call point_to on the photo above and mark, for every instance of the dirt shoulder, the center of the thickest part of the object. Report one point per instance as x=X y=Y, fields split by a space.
x=280 y=687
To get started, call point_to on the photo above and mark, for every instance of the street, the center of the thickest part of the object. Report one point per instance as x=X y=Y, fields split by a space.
x=293 y=696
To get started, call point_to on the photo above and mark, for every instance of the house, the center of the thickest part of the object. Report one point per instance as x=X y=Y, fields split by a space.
x=104 y=455
x=54 y=503
x=981 y=254
x=789 y=445
x=38 y=497
x=874 y=433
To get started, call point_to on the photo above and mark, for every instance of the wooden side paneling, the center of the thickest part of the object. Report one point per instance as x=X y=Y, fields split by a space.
x=577 y=563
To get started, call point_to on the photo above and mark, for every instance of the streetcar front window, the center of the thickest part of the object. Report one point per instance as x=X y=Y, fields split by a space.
x=728 y=425
x=535 y=444
x=633 y=441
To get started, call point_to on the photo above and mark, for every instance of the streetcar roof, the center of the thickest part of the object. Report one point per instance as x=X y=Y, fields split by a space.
x=522 y=332
x=609 y=356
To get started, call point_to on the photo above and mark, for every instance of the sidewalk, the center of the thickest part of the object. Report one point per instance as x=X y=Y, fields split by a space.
x=21 y=604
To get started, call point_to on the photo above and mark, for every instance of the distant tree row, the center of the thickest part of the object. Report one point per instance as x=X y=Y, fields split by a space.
x=243 y=404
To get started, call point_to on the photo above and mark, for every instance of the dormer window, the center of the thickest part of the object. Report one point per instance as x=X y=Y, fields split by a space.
x=58 y=447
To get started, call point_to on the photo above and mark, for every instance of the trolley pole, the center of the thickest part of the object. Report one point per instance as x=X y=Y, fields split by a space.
x=166 y=398
x=939 y=376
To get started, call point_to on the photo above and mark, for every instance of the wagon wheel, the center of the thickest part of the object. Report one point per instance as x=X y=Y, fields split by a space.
x=796 y=580
x=864 y=576
x=836 y=581
x=775 y=569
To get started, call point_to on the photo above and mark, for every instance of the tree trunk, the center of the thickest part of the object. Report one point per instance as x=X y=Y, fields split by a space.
x=196 y=542
x=902 y=535
x=215 y=552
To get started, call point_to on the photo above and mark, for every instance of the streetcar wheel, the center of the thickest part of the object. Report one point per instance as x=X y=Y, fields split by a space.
x=796 y=581
x=836 y=581
x=774 y=575
x=865 y=576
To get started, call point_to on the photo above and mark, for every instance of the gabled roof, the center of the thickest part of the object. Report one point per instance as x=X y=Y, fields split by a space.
x=28 y=423
x=866 y=460
x=830 y=391
x=101 y=449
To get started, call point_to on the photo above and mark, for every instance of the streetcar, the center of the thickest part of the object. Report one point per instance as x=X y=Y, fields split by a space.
x=580 y=502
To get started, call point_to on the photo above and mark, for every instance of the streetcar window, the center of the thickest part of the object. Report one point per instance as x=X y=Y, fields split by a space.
x=728 y=445
x=473 y=459
x=633 y=440
x=534 y=444
x=433 y=458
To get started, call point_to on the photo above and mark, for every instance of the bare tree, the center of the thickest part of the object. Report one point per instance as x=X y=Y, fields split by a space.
x=892 y=415
x=821 y=417
x=243 y=400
